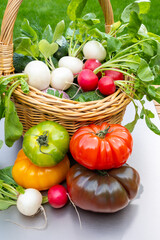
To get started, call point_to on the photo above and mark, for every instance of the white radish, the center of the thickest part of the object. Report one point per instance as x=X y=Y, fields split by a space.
x=29 y=202
x=94 y=49
x=61 y=78
x=38 y=74
x=73 y=63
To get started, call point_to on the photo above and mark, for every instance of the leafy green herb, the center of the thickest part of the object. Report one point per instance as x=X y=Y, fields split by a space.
x=12 y=124
x=6 y=175
x=39 y=47
x=88 y=96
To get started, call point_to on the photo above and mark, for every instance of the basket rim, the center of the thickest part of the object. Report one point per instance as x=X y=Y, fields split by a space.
x=50 y=98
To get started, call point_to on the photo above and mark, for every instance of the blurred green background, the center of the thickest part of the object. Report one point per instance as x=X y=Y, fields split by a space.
x=43 y=12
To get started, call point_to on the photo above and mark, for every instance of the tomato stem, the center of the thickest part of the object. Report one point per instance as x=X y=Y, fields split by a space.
x=103 y=172
x=43 y=141
x=103 y=133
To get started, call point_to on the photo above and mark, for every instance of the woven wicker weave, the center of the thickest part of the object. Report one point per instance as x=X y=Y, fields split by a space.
x=37 y=106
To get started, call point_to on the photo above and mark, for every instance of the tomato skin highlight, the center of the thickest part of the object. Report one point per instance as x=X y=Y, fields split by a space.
x=96 y=153
x=87 y=80
x=57 y=196
x=54 y=148
x=106 y=85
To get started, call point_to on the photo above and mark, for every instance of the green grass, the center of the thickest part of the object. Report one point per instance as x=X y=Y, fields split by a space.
x=40 y=13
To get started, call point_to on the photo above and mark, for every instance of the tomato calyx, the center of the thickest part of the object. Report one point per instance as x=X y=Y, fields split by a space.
x=103 y=133
x=43 y=141
x=102 y=172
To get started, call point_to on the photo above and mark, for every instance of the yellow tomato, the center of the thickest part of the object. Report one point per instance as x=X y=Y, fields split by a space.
x=28 y=175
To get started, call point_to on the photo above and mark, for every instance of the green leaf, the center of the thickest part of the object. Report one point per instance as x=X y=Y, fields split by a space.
x=115 y=26
x=6 y=175
x=24 y=86
x=130 y=126
x=134 y=23
x=113 y=45
x=144 y=72
x=151 y=125
x=47 y=49
x=6 y=203
x=72 y=90
x=28 y=31
x=88 y=96
x=2 y=105
x=75 y=9
x=154 y=93
x=59 y=30
x=27 y=49
x=20 y=189
x=140 y=7
x=13 y=127
x=1 y=144
x=48 y=34
x=148 y=49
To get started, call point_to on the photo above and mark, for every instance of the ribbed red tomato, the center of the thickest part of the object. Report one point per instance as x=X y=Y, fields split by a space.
x=101 y=147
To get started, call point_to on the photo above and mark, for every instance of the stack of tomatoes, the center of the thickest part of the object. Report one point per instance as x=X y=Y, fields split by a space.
x=101 y=181
x=42 y=162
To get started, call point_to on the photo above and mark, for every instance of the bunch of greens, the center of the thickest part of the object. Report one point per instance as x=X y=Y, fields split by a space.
x=40 y=46
x=133 y=52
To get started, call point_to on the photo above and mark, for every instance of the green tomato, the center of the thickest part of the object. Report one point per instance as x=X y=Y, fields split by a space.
x=46 y=144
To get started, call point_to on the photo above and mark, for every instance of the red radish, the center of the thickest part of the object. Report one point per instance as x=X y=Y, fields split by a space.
x=106 y=85
x=115 y=75
x=92 y=64
x=87 y=80
x=57 y=196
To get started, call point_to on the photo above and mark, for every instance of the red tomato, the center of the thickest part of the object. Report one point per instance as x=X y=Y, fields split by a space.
x=101 y=147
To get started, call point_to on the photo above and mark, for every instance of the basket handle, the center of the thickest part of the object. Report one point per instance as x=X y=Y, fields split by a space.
x=11 y=12
x=108 y=14
x=9 y=19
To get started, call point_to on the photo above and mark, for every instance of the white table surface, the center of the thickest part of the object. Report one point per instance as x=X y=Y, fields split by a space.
x=138 y=221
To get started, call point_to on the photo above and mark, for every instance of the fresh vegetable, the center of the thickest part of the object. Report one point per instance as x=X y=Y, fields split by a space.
x=115 y=75
x=88 y=96
x=12 y=126
x=102 y=191
x=41 y=45
x=102 y=146
x=46 y=143
x=94 y=49
x=39 y=74
x=92 y=64
x=57 y=196
x=61 y=78
x=87 y=80
x=9 y=190
x=73 y=63
x=56 y=93
x=29 y=202
x=106 y=85
x=28 y=175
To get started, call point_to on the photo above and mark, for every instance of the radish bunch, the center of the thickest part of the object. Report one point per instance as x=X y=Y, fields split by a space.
x=69 y=68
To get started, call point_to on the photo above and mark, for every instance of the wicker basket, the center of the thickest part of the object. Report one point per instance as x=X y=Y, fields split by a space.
x=37 y=106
